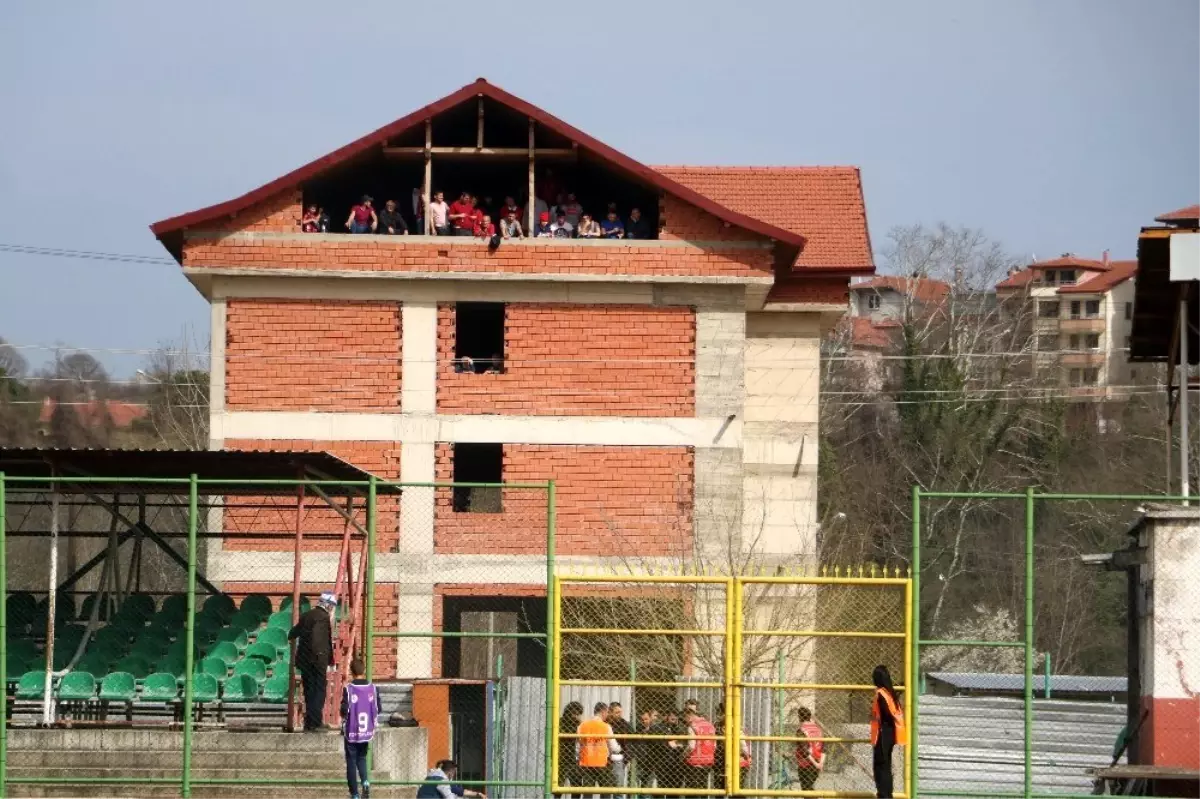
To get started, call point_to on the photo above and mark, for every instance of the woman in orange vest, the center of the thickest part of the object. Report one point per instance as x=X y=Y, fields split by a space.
x=887 y=730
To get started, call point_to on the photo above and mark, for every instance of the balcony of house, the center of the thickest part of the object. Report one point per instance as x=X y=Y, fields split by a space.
x=1082 y=325
x=1082 y=359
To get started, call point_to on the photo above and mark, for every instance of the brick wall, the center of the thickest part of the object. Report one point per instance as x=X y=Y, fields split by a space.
x=798 y=287
x=679 y=220
x=280 y=213
x=385 y=613
x=578 y=360
x=612 y=501
x=256 y=516
x=312 y=355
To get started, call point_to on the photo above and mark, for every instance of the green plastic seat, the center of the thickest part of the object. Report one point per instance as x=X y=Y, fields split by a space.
x=89 y=603
x=136 y=665
x=286 y=604
x=62 y=656
x=95 y=662
x=214 y=666
x=257 y=604
x=245 y=620
x=31 y=685
x=219 y=606
x=226 y=651
x=148 y=649
x=69 y=634
x=64 y=610
x=15 y=664
x=160 y=686
x=205 y=688
x=252 y=667
x=113 y=638
x=120 y=686
x=21 y=608
x=276 y=636
x=174 y=607
x=171 y=665
x=240 y=689
x=77 y=686
x=275 y=689
x=234 y=636
x=22 y=647
x=263 y=650
x=137 y=606
x=280 y=620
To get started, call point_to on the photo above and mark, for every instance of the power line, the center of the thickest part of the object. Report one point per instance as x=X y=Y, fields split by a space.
x=91 y=255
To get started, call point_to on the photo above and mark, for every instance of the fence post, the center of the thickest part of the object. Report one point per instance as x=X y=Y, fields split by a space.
x=1029 y=654
x=190 y=636
x=3 y=636
x=1047 y=673
x=915 y=632
x=551 y=654
x=369 y=589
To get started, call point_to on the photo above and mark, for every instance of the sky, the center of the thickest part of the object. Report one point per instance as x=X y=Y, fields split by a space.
x=1054 y=127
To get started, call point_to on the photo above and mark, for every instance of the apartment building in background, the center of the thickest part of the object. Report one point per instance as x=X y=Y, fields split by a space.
x=669 y=385
x=1081 y=312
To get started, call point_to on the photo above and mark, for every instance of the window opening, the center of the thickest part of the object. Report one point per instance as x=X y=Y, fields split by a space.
x=478 y=463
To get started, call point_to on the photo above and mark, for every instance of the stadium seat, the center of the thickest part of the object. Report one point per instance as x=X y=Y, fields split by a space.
x=220 y=606
x=252 y=667
x=280 y=620
x=119 y=686
x=257 y=604
x=95 y=662
x=240 y=689
x=69 y=634
x=160 y=687
x=112 y=637
x=264 y=651
x=63 y=655
x=130 y=626
x=22 y=647
x=151 y=649
x=64 y=610
x=137 y=606
x=89 y=603
x=204 y=688
x=214 y=666
x=226 y=651
x=245 y=620
x=136 y=665
x=234 y=636
x=31 y=685
x=171 y=665
x=276 y=636
x=174 y=607
x=275 y=689
x=286 y=604
x=22 y=608
x=77 y=686
x=16 y=665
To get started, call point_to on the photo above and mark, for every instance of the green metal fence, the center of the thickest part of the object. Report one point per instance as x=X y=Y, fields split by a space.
x=229 y=518
x=1002 y=533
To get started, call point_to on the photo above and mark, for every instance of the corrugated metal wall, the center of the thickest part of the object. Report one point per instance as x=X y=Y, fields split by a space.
x=522 y=735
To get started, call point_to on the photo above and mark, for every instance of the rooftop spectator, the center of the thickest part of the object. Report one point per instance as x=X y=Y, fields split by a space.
x=562 y=229
x=484 y=229
x=612 y=227
x=311 y=221
x=510 y=206
x=573 y=210
x=391 y=222
x=588 y=229
x=637 y=227
x=439 y=214
x=462 y=215
x=362 y=217
x=510 y=226
x=544 y=229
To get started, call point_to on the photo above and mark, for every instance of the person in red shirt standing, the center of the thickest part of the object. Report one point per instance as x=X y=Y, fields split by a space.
x=810 y=755
x=462 y=215
x=700 y=751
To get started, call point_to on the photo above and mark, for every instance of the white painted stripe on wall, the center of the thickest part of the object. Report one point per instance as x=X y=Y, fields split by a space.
x=708 y=433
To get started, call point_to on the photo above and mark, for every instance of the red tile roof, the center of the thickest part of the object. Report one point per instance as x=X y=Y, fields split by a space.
x=921 y=289
x=1069 y=261
x=868 y=335
x=174 y=225
x=123 y=414
x=1189 y=214
x=1119 y=273
x=822 y=203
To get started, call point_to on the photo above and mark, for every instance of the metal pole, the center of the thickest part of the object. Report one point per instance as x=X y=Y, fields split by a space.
x=51 y=610
x=190 y=636
x=3 y=639
x=1047 y=674
x=915 y=632
x=781 y=677
x=1029 y=654
x=1184 y=449
x=551 y=659
x=291 y=704
x=369 y=610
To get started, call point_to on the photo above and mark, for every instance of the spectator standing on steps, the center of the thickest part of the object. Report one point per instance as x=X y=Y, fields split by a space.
x=313 y=635
x=361 y=708
x=620 y=726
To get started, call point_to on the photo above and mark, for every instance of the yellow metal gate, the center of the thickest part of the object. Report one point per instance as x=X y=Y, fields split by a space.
x=682 y=654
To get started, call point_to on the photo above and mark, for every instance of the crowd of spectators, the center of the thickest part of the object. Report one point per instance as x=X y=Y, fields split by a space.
x=471 y=215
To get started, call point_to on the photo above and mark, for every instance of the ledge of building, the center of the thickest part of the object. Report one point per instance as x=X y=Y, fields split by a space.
x=472 y=242
x=194 y=273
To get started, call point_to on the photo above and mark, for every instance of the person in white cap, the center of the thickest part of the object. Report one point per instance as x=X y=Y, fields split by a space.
x=313 y=635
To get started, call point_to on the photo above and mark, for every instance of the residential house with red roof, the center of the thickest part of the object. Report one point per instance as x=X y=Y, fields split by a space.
x=668 y=384
x=1082 y=316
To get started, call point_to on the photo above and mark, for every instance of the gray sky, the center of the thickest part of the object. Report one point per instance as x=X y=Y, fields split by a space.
x=1055 y=126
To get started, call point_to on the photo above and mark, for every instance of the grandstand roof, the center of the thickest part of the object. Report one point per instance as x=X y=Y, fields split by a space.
x=142 y=470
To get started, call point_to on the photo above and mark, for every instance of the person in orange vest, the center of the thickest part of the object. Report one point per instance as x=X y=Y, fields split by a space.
x=887 y=730
x=597 y=748
x=810 y=755
x=699 y=753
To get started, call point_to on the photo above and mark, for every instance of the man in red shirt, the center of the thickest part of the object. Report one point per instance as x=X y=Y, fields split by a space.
x=810 y=755
x=462 y=215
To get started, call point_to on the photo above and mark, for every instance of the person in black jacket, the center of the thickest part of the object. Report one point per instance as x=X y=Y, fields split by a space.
x=313 y=635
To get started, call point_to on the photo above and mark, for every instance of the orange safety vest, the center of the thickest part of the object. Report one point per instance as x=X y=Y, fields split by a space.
x=593 y=747
x=704 y=753
x=896 y=713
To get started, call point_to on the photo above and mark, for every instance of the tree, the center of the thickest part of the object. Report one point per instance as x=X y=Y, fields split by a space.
x=179 y=389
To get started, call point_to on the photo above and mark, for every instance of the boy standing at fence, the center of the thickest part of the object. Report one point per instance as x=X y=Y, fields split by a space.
x=361 y=708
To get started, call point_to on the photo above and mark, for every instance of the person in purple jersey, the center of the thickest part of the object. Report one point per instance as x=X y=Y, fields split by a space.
x=361 y=709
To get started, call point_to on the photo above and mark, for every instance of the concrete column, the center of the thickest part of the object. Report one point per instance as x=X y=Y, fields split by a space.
x=419 y=362
x=216 y=406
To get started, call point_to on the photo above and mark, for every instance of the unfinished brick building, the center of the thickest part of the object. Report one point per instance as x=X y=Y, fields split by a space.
x=668 y=385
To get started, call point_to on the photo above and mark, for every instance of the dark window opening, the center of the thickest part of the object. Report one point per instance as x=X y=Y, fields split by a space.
x=489 y=657
x=479 y=337
x=478 y=463
x=1129 y=310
